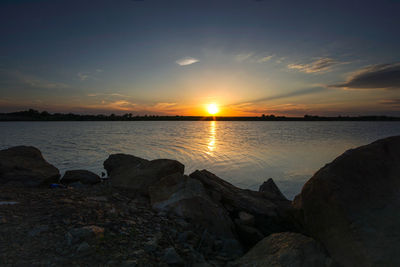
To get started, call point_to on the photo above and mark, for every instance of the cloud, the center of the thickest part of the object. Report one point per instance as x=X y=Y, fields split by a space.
x=17 y=79
x=301 y=92
x=265 y=59
x=106 y=94
x=83 y=76
x=93 y=75
x=390 y=102
x=253 y=58
x=280 y=60
x=165 y=105
x=186 y=61
x=243 y=57
x=380 y=76
x=318 y=66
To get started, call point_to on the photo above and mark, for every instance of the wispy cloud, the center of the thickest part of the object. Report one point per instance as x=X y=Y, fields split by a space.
x=86 y=75
x=16 y=78
x=391 y=102
x=83 y=76
x=106 y=94
x=380 y=76
x=306 y=91
x=186 y=61
x=243 y=56
x=320 y=65
x=253 y=57
x=265 y=59
x=165 y=105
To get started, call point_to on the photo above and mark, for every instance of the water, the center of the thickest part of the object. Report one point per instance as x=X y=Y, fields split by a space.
x=243 y=153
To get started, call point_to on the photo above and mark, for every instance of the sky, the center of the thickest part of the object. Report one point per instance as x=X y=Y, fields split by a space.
x=170 y=57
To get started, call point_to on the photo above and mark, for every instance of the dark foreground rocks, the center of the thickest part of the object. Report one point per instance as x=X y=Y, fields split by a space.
x=352 y=205
x=286 y=249
x=96 y=226
x=127 y=171
x=25 y=165
x=187 y=197
x=82 y=177
x=148 y=213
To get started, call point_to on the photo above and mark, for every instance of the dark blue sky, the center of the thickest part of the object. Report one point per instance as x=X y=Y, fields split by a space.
x=174 y=57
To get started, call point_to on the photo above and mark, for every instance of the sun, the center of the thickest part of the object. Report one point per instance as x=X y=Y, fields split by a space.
x=212 y=109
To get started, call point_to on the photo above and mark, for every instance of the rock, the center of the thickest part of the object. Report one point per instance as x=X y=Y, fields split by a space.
x=246 y=218
x=151 y=245
x=172 y=257
x=84 y=233
x=270 y=190
x=25 y=165
x=286 y=250
x=186 y=197
x=129 y=263
x=131 y=172
x=83 y=247
x=249 y=236
x=186 y=237
x=271 y=215
x=352 y=205
x=231 y=248
x=38 y=230
x=82 y=176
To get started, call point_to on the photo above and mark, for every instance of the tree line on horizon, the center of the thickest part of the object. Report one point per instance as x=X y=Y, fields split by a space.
x=35 y=115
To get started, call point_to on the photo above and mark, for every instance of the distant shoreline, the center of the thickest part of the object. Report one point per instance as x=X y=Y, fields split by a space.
x=34 y=115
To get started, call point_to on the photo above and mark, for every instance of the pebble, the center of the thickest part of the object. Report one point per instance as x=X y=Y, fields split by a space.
x=38 y=230
x=171 y=256
x=83 y=247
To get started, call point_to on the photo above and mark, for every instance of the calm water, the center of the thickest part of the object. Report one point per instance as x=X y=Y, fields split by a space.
x=244 y=153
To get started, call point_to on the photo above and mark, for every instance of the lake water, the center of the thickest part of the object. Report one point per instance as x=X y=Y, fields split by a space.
x=243 y=153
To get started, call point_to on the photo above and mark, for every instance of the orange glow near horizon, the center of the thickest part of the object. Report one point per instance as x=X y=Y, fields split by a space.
x=212 y=109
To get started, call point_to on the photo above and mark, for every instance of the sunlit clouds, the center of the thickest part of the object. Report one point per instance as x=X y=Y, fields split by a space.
x=317 y=66
x=380 y=76
x=186 y=61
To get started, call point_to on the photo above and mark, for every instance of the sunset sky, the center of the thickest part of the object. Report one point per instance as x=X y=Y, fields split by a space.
x=176 y=57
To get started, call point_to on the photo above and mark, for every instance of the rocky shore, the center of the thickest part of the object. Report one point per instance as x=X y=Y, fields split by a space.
x=149 y=213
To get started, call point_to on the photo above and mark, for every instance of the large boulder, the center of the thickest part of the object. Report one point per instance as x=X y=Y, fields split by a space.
x=127 y=171
x=271 y=191
x=286 y=250
x=25 y=165
x=352 y=205
x=186 y=197
x=82 y=176
x=271 y=214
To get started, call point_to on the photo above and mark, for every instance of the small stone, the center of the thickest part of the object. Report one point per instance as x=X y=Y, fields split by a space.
x=38 y=230
x=83 y=247
x=86 y=232
x=232 y=248
x=171 y=257
x=150 y=245
x=246 y=218
x=69 y=239
x=129 y=263
x=186 y=236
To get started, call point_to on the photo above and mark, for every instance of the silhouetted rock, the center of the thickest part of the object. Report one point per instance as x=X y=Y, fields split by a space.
x=248 y=235
x=271 y=214
x=352 y=205
x=286 y=250
x=187 y=198
x=82 y=176
x=25 y=165
x=270 y=189
x=135 y=173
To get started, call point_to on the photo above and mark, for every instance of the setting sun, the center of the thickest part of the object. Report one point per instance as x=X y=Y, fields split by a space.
x=212 y=109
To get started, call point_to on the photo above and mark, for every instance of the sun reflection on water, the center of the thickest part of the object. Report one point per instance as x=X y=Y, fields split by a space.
x=211 y=137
